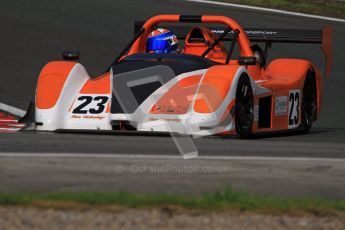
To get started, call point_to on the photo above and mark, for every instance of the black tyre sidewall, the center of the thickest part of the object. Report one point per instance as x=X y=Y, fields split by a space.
x=307 y=119
x=242 y=132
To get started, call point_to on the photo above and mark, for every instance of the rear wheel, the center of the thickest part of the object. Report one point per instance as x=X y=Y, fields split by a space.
x=309 y=102
x=244 y=107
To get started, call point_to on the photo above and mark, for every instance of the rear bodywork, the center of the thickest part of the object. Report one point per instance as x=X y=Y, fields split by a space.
x=183 y=93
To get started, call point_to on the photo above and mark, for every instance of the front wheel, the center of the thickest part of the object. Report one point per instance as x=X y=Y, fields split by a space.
x=244 y=107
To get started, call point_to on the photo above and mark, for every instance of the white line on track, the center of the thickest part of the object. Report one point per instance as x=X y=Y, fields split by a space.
x=162 y=157
x=12 y=110
x=269 y=10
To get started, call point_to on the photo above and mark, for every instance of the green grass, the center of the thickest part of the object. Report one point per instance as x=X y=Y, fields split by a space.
x=226 y=199
x=331 y=8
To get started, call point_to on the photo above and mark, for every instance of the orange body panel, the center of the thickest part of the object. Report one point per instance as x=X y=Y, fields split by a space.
x=288 y=71
x=214 y=88
x=50 y=83
x=255 y=71
x=99 y=85
x=178 y=99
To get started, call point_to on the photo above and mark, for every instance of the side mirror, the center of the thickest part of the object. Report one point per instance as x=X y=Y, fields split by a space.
x=247 y=60
x=71 y=55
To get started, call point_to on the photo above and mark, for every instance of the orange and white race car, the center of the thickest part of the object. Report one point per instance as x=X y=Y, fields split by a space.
x=205 y=89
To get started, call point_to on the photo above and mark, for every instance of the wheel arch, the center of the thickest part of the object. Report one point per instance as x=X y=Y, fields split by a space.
x=50 y=83
x=294 y=72
x=244 y=78
x=319 y=81
x=220 y=81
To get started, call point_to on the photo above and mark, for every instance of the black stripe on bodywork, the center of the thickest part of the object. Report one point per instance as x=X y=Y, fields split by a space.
x=179 y=63
x=190 y=18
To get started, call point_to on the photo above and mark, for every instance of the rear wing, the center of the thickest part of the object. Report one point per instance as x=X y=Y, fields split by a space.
x=268 y=36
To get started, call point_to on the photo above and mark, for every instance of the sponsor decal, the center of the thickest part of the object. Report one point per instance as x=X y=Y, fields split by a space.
x=217 y=31
x=170 y=109
x=164 y=119
x=248 y=32
x=281 y=107
x=262 y=32
x=98 y=117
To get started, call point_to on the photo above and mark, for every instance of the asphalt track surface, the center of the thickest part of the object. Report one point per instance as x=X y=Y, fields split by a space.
x=34 y=32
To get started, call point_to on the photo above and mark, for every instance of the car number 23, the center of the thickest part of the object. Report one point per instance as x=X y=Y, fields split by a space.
x=90 y=104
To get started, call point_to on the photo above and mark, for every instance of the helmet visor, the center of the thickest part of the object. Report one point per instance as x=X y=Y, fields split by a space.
x=157 y=44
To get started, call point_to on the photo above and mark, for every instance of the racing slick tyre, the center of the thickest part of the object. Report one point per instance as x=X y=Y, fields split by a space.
x=308 y=102
x=244 y=107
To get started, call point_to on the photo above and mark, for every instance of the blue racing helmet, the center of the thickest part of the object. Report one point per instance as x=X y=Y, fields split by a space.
x=162 y=41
